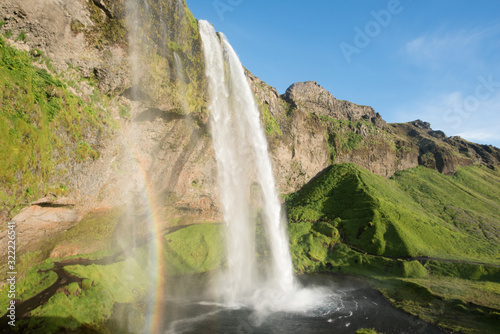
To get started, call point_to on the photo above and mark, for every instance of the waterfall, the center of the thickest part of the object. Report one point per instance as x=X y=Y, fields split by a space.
x=240 y=145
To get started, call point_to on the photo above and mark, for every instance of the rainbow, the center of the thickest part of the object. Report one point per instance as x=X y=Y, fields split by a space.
x=154 y=315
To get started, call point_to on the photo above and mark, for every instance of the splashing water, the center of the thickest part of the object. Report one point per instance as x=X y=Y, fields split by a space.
x=240 y=144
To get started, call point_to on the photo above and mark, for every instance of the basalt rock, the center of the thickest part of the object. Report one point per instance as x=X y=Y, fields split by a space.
x=315 y=99
x=446 y=154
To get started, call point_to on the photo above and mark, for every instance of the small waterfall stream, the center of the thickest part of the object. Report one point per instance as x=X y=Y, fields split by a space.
x=240 y=145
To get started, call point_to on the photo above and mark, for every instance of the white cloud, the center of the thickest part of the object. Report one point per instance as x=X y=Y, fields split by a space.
x=452 y=68
x=445 y=46
x=451 y=113
x=480 y=136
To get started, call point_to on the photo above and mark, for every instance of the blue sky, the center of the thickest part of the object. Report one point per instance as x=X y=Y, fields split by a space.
x=438 y=61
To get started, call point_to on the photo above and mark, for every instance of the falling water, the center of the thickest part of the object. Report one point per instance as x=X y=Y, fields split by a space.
x=240 y=143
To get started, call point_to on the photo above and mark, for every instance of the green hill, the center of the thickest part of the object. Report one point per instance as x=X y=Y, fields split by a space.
x=418 y=212
x=417 y=237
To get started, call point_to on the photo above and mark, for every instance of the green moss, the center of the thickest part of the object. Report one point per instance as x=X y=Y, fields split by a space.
x=414 y=269
x=84 y=152
x=123 y=282
x=344 y=136
x=174 y=46
x=467 y=202
x=41 y=121
x=271 y=126
x=28 y=285
x=96 y=232
x=194 y=249
x=91 y=307
x=105 y=30
x=362 y=221
x=464 y=271
x=21 y=36
x=433 y=301
x=74 y=289
x=366 y=331
x=76 y=26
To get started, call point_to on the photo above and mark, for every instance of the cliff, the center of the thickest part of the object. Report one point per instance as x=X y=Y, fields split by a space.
x=351 y=133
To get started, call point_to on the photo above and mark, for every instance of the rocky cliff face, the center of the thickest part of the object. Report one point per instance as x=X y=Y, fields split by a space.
x=356 y=134
x=446 y=154
x=157 y=159
x=310 y=96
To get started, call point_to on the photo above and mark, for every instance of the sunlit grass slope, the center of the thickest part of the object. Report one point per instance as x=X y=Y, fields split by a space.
x=419 y=212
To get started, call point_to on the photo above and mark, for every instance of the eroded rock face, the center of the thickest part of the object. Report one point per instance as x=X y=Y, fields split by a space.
x=301 y=151
x=37 y=223
x=312 y=97
x=308 y=143
x=49 y=26
x=446 y=154
x=307 y=113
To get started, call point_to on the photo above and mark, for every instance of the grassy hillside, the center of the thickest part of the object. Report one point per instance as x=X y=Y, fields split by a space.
x=350 y=221
x=419 y=212
x=469 y=201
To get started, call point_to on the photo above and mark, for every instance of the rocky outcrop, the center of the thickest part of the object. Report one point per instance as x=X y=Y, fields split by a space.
x=39 y=222
x=298 y=154
x=446 y=154
x=318 y=129
x=354 y=134
x=315 y=99
x=57 y=30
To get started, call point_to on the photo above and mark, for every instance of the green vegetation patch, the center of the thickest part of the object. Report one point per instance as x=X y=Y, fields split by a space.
x=425 y=299
x=95 y=233
x=194 y=249
x=43 y=126
x=310 y=243
x=271 y=125
x=69 y=311
x=468 y=202
x=377 y=227
x=345 y=136
x=464 y=271
x=31 y=284
x=366 y=331
x=125 y=281
x=381 y=217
